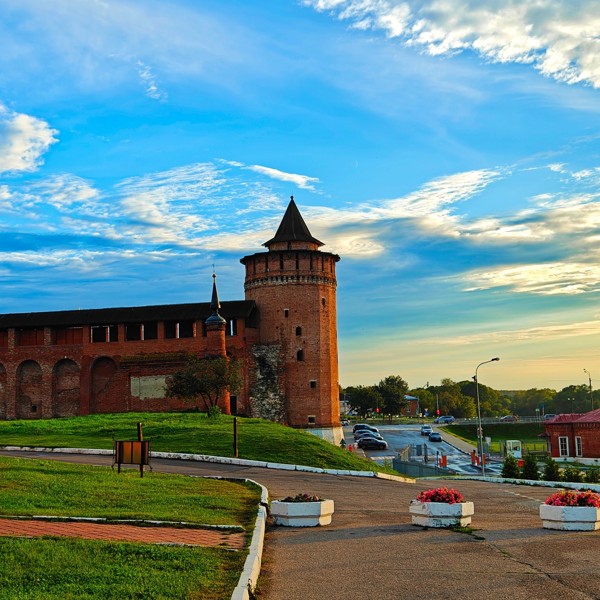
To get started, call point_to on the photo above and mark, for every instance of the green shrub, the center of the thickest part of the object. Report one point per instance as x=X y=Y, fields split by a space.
x=510 y=467
x=592 y=475
x=573 y=474
x=530 y=468
x=552 y=471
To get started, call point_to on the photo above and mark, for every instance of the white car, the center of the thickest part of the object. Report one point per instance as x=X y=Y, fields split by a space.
x=426 y=429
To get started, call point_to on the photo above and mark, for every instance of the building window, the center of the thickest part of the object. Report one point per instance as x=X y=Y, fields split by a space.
x=231 y=327
x=297 y=261
x=311 y=262
x=29 y=337
x=323 y=302
x=281 y=262
x=298 y=331
x=563 y=445
x=104 y=333
x=313 y=383
x=578 y=446
x=311 y=419
x=286 y=312
x=300 y=355
x=3 y=338
x=175 y=330
x=67 y=335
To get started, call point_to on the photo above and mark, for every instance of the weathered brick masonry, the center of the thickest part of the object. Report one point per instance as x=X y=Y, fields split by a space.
x=66 y=363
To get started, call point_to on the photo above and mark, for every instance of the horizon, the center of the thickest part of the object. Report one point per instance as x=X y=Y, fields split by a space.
x=454 y=168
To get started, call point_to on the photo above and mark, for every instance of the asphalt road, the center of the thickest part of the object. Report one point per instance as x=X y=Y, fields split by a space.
x=371 y=551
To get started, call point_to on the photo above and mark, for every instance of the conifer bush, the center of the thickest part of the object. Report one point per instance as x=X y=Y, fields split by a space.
x=552 y=471
x=510 y=467
x=530 y=468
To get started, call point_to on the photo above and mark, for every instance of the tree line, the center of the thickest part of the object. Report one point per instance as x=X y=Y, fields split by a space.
x=459 y=399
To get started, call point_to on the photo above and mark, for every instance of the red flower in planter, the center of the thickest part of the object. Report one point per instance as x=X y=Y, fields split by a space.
x=447 y=495
x=574 y=498
x=302 y=498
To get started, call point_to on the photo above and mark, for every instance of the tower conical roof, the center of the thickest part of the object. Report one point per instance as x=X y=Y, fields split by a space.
x=293 y=228
x=215 y=305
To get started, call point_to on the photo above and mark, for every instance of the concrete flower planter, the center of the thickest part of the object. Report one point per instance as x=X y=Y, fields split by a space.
x=441 y=514
x=570 y=518
x=302 y=514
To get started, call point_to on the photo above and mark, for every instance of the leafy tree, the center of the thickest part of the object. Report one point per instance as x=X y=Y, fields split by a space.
x=530 y=468
x=572 y=399
x=205 y=379
x=552 y=471
x=510 y=467
x=426 y=399
x=392 y=390
x=363 y=399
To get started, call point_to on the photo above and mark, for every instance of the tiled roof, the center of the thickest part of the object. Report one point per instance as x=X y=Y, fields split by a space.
x=132 y=314
x=293 y=228
x=590 y=417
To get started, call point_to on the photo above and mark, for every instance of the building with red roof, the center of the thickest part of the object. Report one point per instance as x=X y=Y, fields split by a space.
x=574 y=436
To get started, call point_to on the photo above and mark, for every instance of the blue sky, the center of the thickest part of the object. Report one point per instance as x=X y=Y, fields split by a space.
x=448 y=151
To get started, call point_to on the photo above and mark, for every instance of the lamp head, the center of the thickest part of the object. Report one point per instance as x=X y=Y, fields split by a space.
x=494 y=359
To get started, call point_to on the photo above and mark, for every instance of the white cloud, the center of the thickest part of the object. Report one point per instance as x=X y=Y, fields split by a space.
x=560 y=38
x=149 y=80
x=23 y=141
x=548 y=279
x=302 y=181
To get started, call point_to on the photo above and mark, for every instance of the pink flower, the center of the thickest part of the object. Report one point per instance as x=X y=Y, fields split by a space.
x=574 y=498
x=447 y=495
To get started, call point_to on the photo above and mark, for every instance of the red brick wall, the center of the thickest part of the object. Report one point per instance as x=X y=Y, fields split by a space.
x=297 y=289
x=589 y=433
x=52 y=380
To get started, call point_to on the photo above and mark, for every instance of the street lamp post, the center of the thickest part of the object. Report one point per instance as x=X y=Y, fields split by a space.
x=591 y=393
x=479 y=428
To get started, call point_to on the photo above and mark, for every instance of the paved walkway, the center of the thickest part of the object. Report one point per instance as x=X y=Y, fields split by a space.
x=372 y=551
x=184 y=536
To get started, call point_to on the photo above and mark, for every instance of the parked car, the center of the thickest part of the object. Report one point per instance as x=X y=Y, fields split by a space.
x=549 y=416
x=445 y=419
x=434 y=436
x=426 y=429
x=371 y=443
x=361 y=433
x=345 y=422
x=365 y=426
x=508 y=419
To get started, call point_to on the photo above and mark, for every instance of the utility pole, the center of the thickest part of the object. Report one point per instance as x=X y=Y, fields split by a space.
x=591 y=392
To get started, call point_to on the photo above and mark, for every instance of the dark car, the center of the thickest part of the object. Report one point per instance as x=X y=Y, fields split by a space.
x=362 y=433
x=445 y=419
x=365 y=426
x=434 y=436
x=371 y=443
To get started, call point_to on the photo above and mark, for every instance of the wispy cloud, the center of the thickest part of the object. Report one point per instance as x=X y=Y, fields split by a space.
x=559 y=38
x=302 y=181
x=150 y=82
x=558 y=278
x=23 y=141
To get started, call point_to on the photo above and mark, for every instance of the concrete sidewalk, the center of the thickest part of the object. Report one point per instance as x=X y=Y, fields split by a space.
x=372 y=551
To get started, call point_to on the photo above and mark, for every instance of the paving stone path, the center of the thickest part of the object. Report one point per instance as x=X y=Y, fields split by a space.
x=123 y=533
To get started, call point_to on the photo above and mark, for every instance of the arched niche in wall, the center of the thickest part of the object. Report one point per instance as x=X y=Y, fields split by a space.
x=66 y=390
x=30 y=392
x=2 y=392
x=103 y=371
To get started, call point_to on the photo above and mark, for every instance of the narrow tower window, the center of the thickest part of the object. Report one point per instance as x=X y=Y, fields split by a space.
x=323 y=303
x=281 y=262
x=298 y=331
x=297 y=261
x=313 y=383
x=300 y=355
x=286 y=312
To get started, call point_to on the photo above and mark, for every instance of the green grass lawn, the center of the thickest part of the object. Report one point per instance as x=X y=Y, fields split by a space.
x=61 y=568
x=194 y=433
x=499 y=432
x=56 y=568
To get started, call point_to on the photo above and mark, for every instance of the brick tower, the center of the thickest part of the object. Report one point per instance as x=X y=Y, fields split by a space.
x=294 y=287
